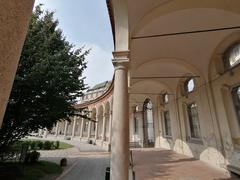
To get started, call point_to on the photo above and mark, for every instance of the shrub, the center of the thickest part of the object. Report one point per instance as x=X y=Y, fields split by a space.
x=33 y=145
x=63 y=162
x=47 y=145
x=57 y=144
x=26 y=142
x=32 y=157
x=39 y=144
x=52 y=144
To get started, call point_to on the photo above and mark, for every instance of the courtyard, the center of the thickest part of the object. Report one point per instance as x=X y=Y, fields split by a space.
x=149 y=88
x=89 y=162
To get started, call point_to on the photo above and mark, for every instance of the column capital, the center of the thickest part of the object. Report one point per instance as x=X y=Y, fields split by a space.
x=117 y=54
x=120 y=59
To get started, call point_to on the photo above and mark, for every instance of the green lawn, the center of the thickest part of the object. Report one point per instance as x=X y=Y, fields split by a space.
x=63 y=145
x=31 y=171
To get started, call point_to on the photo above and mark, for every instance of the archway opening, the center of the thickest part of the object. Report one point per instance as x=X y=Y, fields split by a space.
x=148 y=124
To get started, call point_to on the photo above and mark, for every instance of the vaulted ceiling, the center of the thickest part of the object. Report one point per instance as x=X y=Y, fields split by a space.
x=171 y=38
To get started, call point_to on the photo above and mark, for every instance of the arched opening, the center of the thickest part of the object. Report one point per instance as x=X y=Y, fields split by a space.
x=107 y=121
x=100 y=122
x=225 y=89
x=93 y=124
x=148 y=124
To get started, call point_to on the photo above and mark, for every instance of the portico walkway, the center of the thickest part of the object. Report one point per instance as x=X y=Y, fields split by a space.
x=154 y=164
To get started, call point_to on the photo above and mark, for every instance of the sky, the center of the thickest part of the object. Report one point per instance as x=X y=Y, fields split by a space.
x=86 y=23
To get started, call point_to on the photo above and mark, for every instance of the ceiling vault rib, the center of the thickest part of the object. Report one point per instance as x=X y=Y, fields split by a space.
x=165 y=77
x=187 y=32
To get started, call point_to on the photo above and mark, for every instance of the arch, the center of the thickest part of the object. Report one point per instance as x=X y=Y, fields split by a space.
x=170 y=63
x=86 y=111
x=175 y=6
x=157 y=86
x=222 y=84
x=100 y=113
x=214 y=66
x=162 y=67
x=148 y=124
x=107 y=121
x=170 y=60
x=93 y=124
x=93 y=113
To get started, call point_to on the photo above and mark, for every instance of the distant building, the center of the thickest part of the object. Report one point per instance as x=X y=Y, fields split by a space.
x=95 y=91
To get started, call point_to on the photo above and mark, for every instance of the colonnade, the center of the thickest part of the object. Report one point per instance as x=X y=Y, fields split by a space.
x=96 y=129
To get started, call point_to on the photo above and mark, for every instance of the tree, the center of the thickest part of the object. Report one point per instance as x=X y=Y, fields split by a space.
x=48 y=80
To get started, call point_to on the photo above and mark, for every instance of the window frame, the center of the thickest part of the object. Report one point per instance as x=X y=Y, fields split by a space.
x=164 y=124
x=234 y=104
x=164 y=98
x=190 y=138
x=186 y=83
x=226 y=57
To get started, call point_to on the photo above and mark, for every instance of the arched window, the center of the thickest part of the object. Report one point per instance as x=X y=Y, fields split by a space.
x=167 y=124
x=148 y=124
x=232 y=56
x=194 y=124
x=190 y=85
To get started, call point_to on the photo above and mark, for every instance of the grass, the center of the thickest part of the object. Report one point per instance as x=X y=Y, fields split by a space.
x=31 y=171
x=63 y=145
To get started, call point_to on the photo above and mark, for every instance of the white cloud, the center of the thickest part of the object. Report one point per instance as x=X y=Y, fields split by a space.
x=99 y=66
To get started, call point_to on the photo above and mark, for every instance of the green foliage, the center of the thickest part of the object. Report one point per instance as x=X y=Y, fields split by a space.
x=39 y=144
x=47 y=83
x=33 y=145
x=29 y=171
x=47 y=145
x=57 y=143
x=43 y=145
x=11 y=152
x=32 y=157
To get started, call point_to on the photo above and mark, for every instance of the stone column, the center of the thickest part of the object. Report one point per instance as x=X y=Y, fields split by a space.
x=14 y=19
x=96 y=128
x=110 y=126
x=104 y=127
x=74 y=126
x=45 y=134
x=81 y=128
x=56 y=129
x=89 y=129
x=40 y=131
x=120 y=122
x=65 y=128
